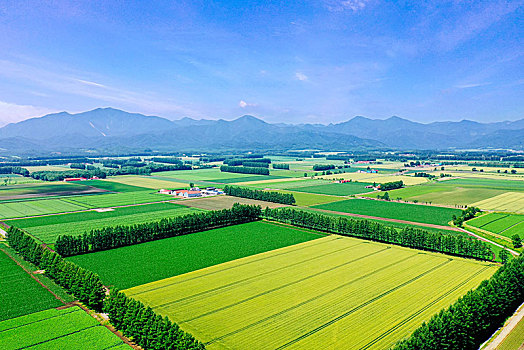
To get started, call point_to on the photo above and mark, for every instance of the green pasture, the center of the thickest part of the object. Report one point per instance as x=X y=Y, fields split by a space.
x=336 y=189
x=116 y=187
x=147 y=262
x=20 y=293
x=394 y=210
x=118 y=199
x=38 y=207
x=503 y=224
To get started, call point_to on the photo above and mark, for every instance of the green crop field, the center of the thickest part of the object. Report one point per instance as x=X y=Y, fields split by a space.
x=48 y=228
x=114 y=186
x=142 y=263
x=325 y=293
x=247 y=179
x=20 y=294
x=117 y=199
x=514 y=340
x=502 y=224
x=344 y=189
x=509 y=201
x=40 y=190
x=38 y=207
x=224 y=202
x=306 y=199
x=394 y=210
x=67 y=329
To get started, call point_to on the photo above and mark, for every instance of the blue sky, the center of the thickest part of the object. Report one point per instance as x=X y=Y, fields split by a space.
x=283 y=61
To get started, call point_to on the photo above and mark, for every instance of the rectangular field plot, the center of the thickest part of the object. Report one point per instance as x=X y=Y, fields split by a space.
x=344 y=189
x=142 y=263
x=394 y=210
x=69 y=328
x=502 y=224
x=511 y=202
x=48 y=228
x=146 y=182
x=38 y=207
x=225 y=202
x=333 y=292
x=20 y=294
x=45 y=190
x=117 y=199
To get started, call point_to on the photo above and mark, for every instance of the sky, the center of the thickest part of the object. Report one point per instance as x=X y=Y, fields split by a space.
x=321 y=61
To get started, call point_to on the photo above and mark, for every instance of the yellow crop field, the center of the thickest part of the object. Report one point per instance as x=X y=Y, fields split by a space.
x=332 y=292
x=147 y=182
x=510 y=202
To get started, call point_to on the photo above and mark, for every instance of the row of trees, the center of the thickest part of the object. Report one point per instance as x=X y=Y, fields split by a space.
x=83 y=284
x=476 y=316
x=467 y=214
x=14 y=170
x=321 y=167
x=244 y=170
x=268 y=196
x=408 y=236
x=61 y=175
x=281 y=166
x=243 y=161
x=256 y=164
x=388 y=186
x=119 y=236
x=147 y=329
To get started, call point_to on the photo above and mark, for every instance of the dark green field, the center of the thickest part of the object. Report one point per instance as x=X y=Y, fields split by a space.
x=131 y=266
x=336 y=189
x=248 y=178
x=20 y=294
x=115 y=186
x=393 y=210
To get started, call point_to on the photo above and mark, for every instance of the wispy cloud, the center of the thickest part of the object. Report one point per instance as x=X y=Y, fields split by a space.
x=301 y=76
x=345 y=5
x=469 y=86
x=244 y=104
x=12 y=112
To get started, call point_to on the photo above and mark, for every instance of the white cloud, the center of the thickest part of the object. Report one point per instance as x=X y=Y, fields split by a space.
x=468 y=86
x=343 y=5
x=244 y=104
x=301 y=76
x=12 y=113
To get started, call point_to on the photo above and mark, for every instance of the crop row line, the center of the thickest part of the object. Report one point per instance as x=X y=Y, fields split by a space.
x=426 y=307
x=283 y=286
x=344 y=285
x=61 y=336
x=43 y=319
x=370 y=301
x=232 y=267
x=492 y=221
x=260 y=275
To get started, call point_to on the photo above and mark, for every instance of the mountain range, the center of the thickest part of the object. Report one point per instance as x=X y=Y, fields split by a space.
x=108 y=129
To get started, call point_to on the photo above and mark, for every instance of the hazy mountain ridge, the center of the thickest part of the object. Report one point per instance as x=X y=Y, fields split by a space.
x=108 y=128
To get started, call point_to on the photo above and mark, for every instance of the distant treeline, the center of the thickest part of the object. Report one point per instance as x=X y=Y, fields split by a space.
x=14 y=170
x=244 y=170
x=407 y=237
x=321 y=167
x=46 y=162
x=258 y=162
x=388 y=186
x=81 y=283
x=268 y=196
x=147 y=329
x=281 y=166
x=120 y=236
x=472 y=319
x=61 y=175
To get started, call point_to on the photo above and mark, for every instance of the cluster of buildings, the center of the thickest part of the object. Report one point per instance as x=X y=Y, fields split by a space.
x=194 y=192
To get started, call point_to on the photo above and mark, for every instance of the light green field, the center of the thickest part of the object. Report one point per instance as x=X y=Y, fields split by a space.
x=514 y=340
x=67 y=329
x=503 y=224
x=147 y=182
x=306 y=199
x=117 y=199
x=510 y=202
x=38 y=207
x=48 y=228
x=325 y=293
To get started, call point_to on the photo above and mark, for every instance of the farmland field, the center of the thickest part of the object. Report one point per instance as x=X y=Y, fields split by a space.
x=224 y=202
x=502 y=224
x=69 y=328
x=147 y=182
x=21 y=294
x=343 y=189
x=394 y=210
x=306 y=199
x=117 y=199
x=48 y=228
x=378 y=178
x=514 y=340
x=142 y=263
x=38 y=207
x=116 y=186
x=324 y=293
x=40 y=190
x=510 y=202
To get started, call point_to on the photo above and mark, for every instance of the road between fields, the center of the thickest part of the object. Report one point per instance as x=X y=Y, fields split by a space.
x=507 y=328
